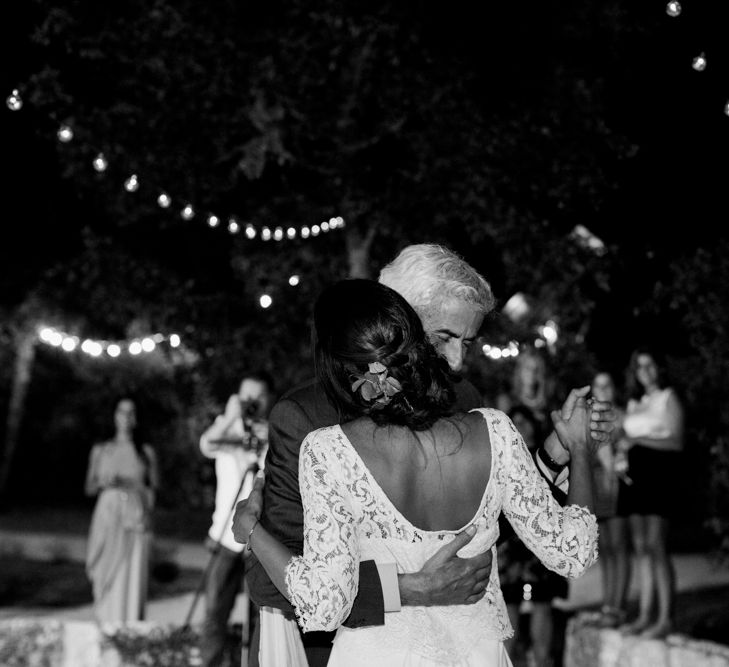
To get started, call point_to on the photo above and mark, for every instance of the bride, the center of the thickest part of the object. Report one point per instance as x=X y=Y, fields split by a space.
x=401 y=475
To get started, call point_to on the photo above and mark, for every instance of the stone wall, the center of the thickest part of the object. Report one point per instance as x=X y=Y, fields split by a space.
x=587 y=645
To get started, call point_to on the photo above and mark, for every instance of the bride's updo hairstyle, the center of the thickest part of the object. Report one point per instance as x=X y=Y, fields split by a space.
x=358 y=322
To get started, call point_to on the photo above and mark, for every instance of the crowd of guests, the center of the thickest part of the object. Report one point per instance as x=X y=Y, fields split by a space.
x=635 y=476
x=637 y=481
x=389 y=409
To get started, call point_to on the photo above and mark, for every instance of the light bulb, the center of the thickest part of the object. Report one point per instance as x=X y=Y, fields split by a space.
x=673 y=8
x=132 y=183
x=14 y=101
x=100 y=163
x=69 y=344
x=65 y=134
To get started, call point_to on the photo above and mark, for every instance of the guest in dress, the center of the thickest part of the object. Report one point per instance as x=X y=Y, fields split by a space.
x=610 y=465
x=653 y=438
x=123 y=472
x=400 y=476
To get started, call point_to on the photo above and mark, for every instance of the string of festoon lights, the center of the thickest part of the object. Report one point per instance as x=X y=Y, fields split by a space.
x=548 y=334
x=68 y=342
x=187 y=209
x=699 y=61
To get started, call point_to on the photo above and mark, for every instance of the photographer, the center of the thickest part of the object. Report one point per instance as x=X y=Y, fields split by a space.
x=237 y=441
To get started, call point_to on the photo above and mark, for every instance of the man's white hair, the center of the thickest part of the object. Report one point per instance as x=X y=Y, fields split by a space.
x=428 y=275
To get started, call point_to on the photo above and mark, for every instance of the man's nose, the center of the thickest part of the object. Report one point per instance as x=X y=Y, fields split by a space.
x=454 y=355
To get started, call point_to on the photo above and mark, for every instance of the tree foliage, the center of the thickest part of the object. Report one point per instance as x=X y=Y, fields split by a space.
x=413 y=122
x=697 y=291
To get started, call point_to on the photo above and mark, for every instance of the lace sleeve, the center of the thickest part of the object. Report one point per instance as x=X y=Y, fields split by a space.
x=322 y=584
x=563 y=538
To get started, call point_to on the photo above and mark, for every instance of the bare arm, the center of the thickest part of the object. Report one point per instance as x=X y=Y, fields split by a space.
x=93 y=484
x=224 y=426
x=674 y=425
x=152 y=476
x=269 y=551
x=153 y=468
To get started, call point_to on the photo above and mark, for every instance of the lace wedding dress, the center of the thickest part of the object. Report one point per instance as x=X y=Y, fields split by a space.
x=348 y=518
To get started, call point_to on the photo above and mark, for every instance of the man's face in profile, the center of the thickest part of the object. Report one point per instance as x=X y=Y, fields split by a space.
x=451 y=329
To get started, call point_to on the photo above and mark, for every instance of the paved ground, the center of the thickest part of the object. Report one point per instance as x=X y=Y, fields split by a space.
x=693 y=571
x=173 y=610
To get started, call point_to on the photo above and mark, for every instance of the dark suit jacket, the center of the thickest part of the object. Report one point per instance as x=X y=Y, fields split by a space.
x=300 y=411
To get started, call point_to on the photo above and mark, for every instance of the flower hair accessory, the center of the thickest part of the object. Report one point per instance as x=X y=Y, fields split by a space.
x=376 y=384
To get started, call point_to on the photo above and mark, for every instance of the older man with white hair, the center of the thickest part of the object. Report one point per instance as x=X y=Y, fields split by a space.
x=452 y=299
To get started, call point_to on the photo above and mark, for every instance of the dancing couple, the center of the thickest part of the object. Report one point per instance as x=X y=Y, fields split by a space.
x=385 y=478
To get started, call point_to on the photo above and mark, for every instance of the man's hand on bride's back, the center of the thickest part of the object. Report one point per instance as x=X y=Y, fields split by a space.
x=446 y=579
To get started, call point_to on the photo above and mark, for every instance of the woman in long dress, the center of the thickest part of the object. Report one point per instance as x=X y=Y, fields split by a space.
x=400 y=476
x=124 y=474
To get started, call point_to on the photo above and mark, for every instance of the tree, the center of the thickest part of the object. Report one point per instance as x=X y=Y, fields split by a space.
x=411 y=122
x=290 y=113
x=696 y=291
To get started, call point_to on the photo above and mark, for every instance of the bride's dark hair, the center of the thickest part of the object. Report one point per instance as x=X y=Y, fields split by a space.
x=357 y=322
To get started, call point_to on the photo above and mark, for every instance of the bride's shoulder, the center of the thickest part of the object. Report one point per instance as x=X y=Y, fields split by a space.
x=325 y=437
x=494 y=417
x=500 y=428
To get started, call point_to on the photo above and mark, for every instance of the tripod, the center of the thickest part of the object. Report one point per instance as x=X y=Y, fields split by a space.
x=253 y=469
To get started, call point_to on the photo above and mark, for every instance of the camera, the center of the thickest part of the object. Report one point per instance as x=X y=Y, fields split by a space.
x=249 y=409
x=252 y=414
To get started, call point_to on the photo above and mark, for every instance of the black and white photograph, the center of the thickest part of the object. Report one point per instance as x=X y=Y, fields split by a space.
x=355 y=334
